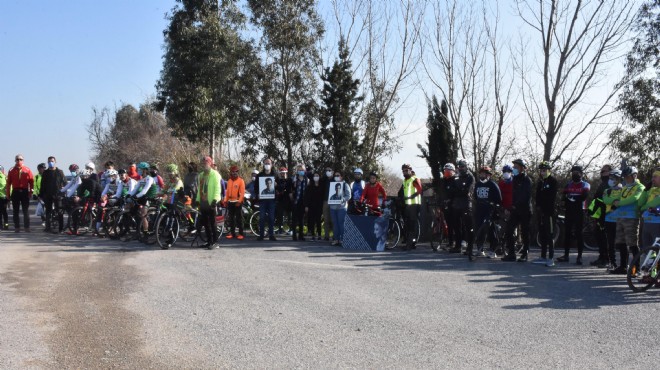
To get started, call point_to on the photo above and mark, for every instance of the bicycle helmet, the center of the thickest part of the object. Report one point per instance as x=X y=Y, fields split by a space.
x=629 y=171
x=449 y=166
x=615 y=173
x=359 y=170
x=41 y=166
x=507 y=168
x=121 y=172
x=520 y=162
x=91 y=166
x=282 y=169
x=486 y=169
x=143 y=166
x=172 y=168
x=110 y=173
x=462 y=163
x=86 y=172
x=73 y=168
x=255 y=172
x=545 y=165
x=576 y=168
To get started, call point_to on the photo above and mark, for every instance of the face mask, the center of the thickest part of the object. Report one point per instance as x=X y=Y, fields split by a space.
x=301 y=173
x=316 y=178
x=506 y=176
x=447 y=173
x=253 y=178
x=267 y=167
x=545 y=175
x=51 y=164
x=337 y=178
x=483 y=181
x=516 y=172
x=611 y=183
x=576 y=178
x=73 y=174
x=328 y=174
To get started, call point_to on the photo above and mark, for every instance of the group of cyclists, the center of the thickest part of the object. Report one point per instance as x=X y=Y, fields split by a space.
x=619 y=205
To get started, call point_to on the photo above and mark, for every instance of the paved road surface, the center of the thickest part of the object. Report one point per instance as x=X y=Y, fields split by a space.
x=80 y=302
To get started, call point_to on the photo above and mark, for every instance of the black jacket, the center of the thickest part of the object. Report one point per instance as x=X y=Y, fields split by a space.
x=90 y=188
x=463 y=191
x=546 y=195
x=315 y=195
x=257 y=191
x=522 y=193
x=486 y=193
x=51 y=182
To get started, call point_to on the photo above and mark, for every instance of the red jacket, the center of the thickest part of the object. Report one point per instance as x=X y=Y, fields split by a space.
x=20 y=179
x=506 y=187
x=370 y=193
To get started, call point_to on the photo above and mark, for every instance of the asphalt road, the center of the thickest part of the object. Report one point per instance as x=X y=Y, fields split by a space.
x=81 y=302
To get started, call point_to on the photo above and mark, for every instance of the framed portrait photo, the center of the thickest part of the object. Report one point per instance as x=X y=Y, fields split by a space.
x=336 y=193
x=267 y=187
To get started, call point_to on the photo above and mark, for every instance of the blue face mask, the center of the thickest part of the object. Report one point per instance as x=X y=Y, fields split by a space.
x=51 y=164
x=73 y=174
x=301 y=173
x=516 y=172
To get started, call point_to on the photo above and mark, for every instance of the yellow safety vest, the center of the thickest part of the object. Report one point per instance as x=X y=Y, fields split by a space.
x=409 y=189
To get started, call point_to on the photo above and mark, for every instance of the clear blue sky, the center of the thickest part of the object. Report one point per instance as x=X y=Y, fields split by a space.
x=58 y=59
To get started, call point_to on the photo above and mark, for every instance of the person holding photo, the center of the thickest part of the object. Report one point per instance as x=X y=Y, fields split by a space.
x=314 y=199
x=338 y=211
x=298 y=201
x=266 y=205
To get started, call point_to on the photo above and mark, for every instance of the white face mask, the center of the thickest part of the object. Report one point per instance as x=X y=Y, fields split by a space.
x=316 y=178
x=506 y=175
x=267 y=167
x=483 y=181
x=611 y=183
x=337 y=178
x=328 y=173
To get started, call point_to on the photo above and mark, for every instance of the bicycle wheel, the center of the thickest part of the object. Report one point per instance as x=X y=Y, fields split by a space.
x=167 y=230
x=109 y=224
x=393 y=234
x=87 y=223
x=643 y=270
x=437 y=233
x=589 y=232
x=254 y=223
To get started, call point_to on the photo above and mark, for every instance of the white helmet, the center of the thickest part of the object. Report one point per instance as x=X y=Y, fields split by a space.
x=91 y=166
x=111 y=172
x=86 y=172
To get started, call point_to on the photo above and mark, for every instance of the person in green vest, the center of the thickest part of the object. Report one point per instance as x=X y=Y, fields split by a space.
x=208 y=196
x=412 y=198
x=612 y=193
x=37 y=191
x=627 y=223
x=649 y=202
x=4 y=217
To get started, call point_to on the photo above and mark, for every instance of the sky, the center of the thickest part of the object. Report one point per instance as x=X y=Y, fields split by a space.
x=59 y=59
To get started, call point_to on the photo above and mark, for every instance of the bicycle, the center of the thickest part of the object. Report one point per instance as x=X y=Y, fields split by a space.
x=396 y=208
x=589 y=231
x=644 y=275
x=82 y=218
x=491 y=232
x=393 y=228
x=148 y=236
x=439 y=230
x=254 y=223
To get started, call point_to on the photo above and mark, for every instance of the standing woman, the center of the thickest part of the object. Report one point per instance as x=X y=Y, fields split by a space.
x=314 y=205
x=338 y=211
x=4 y=217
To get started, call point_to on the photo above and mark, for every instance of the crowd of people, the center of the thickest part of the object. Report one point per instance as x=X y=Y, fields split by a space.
x=620 y=205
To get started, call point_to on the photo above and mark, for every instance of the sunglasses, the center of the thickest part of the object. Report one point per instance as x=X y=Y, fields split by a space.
x=19 y=159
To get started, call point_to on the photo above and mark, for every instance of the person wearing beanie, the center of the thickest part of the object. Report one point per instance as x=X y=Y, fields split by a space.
x=234 y=197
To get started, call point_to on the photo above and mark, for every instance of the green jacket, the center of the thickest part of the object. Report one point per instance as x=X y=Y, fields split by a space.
x=37 y=184
x=649 y=198
x=208 y=187
x=3 y=185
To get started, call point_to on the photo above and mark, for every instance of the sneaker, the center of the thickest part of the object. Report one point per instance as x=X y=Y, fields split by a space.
x=621 y=270
x=229 y=236
x=539 y=261
x=481 y=253
x=596 y=262
x=603 y=264
x=240 y=237
x=522 y=258
x=549 y=262
x=214 y=246
x=509 y=258
x=562 y=259
x=335 y=243
x=491 y=254
x=272 y=238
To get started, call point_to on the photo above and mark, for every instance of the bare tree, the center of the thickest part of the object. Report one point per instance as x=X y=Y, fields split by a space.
x=579 y=40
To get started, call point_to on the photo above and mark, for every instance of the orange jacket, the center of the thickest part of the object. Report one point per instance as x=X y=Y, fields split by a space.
x=19 y=178
x=235 y=190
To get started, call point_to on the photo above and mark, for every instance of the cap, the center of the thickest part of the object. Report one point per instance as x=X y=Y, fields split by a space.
x=520 y=162
x=507 y=168
x=359 y=170
x=283 y=169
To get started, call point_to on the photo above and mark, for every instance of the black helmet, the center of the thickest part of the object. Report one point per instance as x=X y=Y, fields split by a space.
x=576 y=168
x=629 y=171
x=545 y=165
x=375 y=174
x=41 y=166
x=121 y=172
x=520 y=162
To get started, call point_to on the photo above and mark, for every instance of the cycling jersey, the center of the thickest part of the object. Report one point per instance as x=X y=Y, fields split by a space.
x=145 y=187
x=37 y=184
x=609 y=196
x=208 y=187
x=356 y=189
x=650 y=199
x=19 y=178
x=506 y=188
x=70 y=188
x=575 y=195
x=125 y=188
x=110 y=189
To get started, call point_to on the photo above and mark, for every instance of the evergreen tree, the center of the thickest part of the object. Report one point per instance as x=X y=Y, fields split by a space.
x=639 y=101
x=207 y=69
x=441 y=146
x=339 y=134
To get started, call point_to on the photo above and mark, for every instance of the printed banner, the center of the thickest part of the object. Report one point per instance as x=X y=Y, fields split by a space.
x=365 y=233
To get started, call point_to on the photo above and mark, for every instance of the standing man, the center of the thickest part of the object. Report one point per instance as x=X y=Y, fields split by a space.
x=266 y=206
x=627 y=222
x=576 y=193
x=521 y=211
x=462 y=206
x=52 y=181
x=357 y=187
x=208 y=196
x=234 y=197
x=546 y=194
x=448 y=179
x=283 y=189
x=20 y=184
x=4 y=217
x=412 y=197
x=487 y=194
